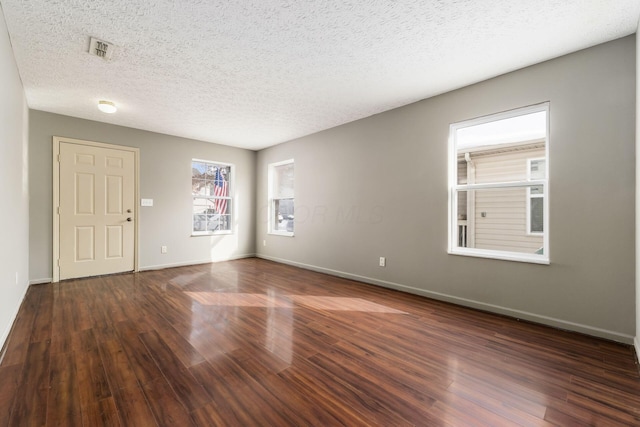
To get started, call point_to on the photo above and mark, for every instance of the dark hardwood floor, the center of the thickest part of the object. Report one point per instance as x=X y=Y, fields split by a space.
x=254 y=343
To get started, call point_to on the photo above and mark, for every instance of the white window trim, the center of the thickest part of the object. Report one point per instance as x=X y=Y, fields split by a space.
x=271 y=200
x=231 y=198
x=533 y=196
x=454 y=187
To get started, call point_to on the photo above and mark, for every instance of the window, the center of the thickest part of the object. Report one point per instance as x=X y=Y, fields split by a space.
x=211 y=188
x=281 y=198
x=498 y=169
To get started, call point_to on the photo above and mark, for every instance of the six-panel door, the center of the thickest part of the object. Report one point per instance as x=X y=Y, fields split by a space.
x=97 y=201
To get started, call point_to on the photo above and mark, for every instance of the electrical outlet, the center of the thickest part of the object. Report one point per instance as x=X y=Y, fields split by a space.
x=383 y=261
x=264 y=243
x=16 y=277
x=163 y=249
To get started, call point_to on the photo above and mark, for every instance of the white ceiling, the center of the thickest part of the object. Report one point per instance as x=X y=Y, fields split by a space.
x=254 y=73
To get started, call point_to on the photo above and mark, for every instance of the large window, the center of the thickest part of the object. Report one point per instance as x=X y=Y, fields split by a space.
x=211 y=185
x=498 y=169
x=281 y=198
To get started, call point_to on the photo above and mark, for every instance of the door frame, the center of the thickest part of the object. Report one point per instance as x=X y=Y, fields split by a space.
x=56 y=196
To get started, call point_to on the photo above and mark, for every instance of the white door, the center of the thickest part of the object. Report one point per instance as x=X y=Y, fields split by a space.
x=97 y=206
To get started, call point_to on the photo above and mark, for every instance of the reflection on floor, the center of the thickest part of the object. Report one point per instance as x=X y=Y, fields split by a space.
x=290 y=301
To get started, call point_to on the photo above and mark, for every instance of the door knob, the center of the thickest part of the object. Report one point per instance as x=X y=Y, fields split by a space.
x=128 y=210
x=129 y=219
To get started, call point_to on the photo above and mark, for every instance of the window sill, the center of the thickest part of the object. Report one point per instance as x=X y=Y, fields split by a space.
x=504 y=256
x=281 y=233
x=210 y=233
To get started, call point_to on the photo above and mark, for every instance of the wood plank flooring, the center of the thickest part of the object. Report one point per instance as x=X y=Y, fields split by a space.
x=255 y=343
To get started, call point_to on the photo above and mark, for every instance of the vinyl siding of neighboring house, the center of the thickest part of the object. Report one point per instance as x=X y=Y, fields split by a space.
x=498 y=217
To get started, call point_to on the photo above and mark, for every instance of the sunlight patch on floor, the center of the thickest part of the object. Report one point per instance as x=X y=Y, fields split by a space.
x=290 y=301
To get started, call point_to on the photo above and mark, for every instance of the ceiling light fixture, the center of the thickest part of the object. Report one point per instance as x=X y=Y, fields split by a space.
x=107 y=107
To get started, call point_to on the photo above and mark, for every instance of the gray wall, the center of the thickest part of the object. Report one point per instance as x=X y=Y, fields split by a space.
x=378 y=187
x=637 y=234
x=14 y=215
x=165 y=177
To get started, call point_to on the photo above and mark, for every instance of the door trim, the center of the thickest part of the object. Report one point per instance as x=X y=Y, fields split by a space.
x=56 y=196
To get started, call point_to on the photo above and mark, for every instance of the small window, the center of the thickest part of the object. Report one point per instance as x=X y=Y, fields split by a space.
x=498 y=171
x=281 y=198
x=211 y=186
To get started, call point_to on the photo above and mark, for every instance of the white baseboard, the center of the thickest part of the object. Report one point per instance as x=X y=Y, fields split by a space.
x=7 y=331
x=518 y=314
x=161 y=266
x=636 y=345
x=187 y=263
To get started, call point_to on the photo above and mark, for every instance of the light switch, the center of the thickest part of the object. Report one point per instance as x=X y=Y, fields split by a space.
x=146 y=202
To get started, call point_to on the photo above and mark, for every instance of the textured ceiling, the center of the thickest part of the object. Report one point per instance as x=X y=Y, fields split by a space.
x=253 y=73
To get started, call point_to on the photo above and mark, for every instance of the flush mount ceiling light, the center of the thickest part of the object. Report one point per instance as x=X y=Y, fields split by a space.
x=107 y=107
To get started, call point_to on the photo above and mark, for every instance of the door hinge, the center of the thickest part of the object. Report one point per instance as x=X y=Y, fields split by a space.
x=58 y=210
x=58 y=158
x=58 y=263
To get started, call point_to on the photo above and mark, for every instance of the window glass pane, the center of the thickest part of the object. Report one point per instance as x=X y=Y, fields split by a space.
x=210 y=169
x=526 y=127
x=224 y=222
x=496 y=219
x=283 y=215
x=537 y=212
x=213 y=222
x=199 y=222
x=462 y=222
x=463 y=169
x=198 y=170
x=283 y=177
x=499 y=150
x=198 y=187
x=537 y=169
x=221 y=206
x=219 y=182
x=536 y=190
x=505 y=163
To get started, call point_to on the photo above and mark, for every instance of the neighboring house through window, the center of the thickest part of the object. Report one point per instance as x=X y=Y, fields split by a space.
x=498 y=182
x=211 y=189
x=281 y=197
x=535 y=213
